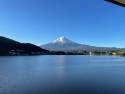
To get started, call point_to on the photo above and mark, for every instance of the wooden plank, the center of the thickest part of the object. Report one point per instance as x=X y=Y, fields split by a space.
x=118 y=2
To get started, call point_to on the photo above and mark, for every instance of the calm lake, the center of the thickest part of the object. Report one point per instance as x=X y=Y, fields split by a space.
x=62 y=75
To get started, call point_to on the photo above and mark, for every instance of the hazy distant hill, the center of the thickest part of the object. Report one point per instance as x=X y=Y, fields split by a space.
x=64 y=44
x=9 y=46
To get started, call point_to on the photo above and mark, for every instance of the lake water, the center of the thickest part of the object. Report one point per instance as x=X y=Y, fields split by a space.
x=62 y=75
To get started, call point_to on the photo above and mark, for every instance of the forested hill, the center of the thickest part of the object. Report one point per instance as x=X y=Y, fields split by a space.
x=12 y=47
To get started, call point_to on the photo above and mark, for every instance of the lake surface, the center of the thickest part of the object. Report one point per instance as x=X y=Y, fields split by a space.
x=62 y=75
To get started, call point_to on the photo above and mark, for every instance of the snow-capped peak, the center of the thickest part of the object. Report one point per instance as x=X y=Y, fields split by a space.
x=62 y=40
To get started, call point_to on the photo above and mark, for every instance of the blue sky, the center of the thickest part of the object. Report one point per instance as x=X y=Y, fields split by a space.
x=93 y=22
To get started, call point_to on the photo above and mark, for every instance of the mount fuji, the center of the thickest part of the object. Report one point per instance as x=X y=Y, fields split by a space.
x=65 y=44
x=61 y=44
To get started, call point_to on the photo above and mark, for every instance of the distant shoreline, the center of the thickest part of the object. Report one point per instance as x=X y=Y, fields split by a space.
x=60 y=55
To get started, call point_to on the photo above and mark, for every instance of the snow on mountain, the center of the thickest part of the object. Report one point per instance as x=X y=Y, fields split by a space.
x=62 y=40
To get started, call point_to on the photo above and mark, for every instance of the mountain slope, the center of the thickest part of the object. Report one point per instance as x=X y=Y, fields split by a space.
x=61 y=44
x=64 y=44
